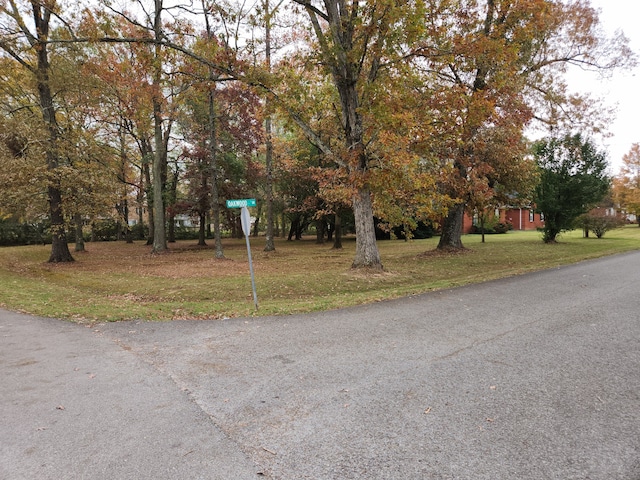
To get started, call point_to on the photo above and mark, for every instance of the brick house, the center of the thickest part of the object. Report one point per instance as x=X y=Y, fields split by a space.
x=519 y=218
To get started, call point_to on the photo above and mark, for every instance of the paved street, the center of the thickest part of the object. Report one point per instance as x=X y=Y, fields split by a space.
x=534 y=377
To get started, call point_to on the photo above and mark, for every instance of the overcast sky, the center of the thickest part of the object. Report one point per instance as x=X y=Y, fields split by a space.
x=623 y=88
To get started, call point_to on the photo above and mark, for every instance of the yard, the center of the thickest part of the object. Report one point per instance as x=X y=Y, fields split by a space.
x=117 y=281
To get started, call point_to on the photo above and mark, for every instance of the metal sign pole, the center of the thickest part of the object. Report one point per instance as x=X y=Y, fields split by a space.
x=246 y=228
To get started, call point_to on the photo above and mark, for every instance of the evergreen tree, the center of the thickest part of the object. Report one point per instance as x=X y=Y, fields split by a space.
x=573 y=180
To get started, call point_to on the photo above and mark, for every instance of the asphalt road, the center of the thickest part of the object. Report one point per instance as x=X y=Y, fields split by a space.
x=534 y=377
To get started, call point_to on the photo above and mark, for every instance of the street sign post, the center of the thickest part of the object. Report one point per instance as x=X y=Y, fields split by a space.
x=245 y=220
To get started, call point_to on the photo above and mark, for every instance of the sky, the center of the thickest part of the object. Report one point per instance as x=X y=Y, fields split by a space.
x=622 y=90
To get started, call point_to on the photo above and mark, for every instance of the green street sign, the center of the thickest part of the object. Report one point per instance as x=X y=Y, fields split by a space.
x=239 y=203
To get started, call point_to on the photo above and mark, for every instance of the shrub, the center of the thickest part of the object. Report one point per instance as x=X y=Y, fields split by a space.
x=600 y=223
x=139 y=231
x=104 y=230
x=186 y=233
x=422 y=230
x=491 y=228
x=13 y=232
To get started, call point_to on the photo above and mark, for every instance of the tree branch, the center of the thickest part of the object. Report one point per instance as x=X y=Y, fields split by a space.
x=15 y=14
x=307 y=4
x=13 y=54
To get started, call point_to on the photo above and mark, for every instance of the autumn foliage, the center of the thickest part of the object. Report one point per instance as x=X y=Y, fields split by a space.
x=395 y=111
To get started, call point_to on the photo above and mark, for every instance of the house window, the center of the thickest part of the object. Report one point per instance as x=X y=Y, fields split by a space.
x=541 y=217
x=531 y=216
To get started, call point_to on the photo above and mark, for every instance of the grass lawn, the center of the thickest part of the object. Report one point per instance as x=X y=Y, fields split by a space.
x=115 y=281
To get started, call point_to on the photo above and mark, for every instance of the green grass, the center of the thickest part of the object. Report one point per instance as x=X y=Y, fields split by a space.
x=116 y=281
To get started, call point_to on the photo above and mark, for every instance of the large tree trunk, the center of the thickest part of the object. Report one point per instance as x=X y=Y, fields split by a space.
x=59 y=247
x=213 y=154
x=269 y=244
x=451 y=237
x=213 y=149
x=160 y=154
x=159 y=232
x=367 y=254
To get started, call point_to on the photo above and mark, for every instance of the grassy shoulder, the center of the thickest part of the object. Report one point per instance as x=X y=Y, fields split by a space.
x=115 y=281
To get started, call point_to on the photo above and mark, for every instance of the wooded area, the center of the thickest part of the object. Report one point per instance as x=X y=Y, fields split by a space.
x=361 y=114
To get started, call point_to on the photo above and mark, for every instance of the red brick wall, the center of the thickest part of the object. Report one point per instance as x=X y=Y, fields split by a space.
x=520 y=219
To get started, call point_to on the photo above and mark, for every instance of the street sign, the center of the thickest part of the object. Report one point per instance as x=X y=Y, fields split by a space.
x=245 y=219
x=243 y=202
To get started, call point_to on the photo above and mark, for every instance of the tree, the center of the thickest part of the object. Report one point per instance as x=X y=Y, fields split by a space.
x=362 y=47
x=499 y=64
x=269 y=243
x=125 y=107
x=161 y=82
x=344 y=37
x=573 y=180
x=213 y=124
x=626 y=185
x=237 y=136
x=29 y=49
x=503 y=173
x=87 y=162
x=359 y=47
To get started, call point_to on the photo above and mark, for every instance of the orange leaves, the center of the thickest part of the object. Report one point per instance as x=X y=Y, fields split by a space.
x=626 y=185
x=495 y=66
x=334 y=186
